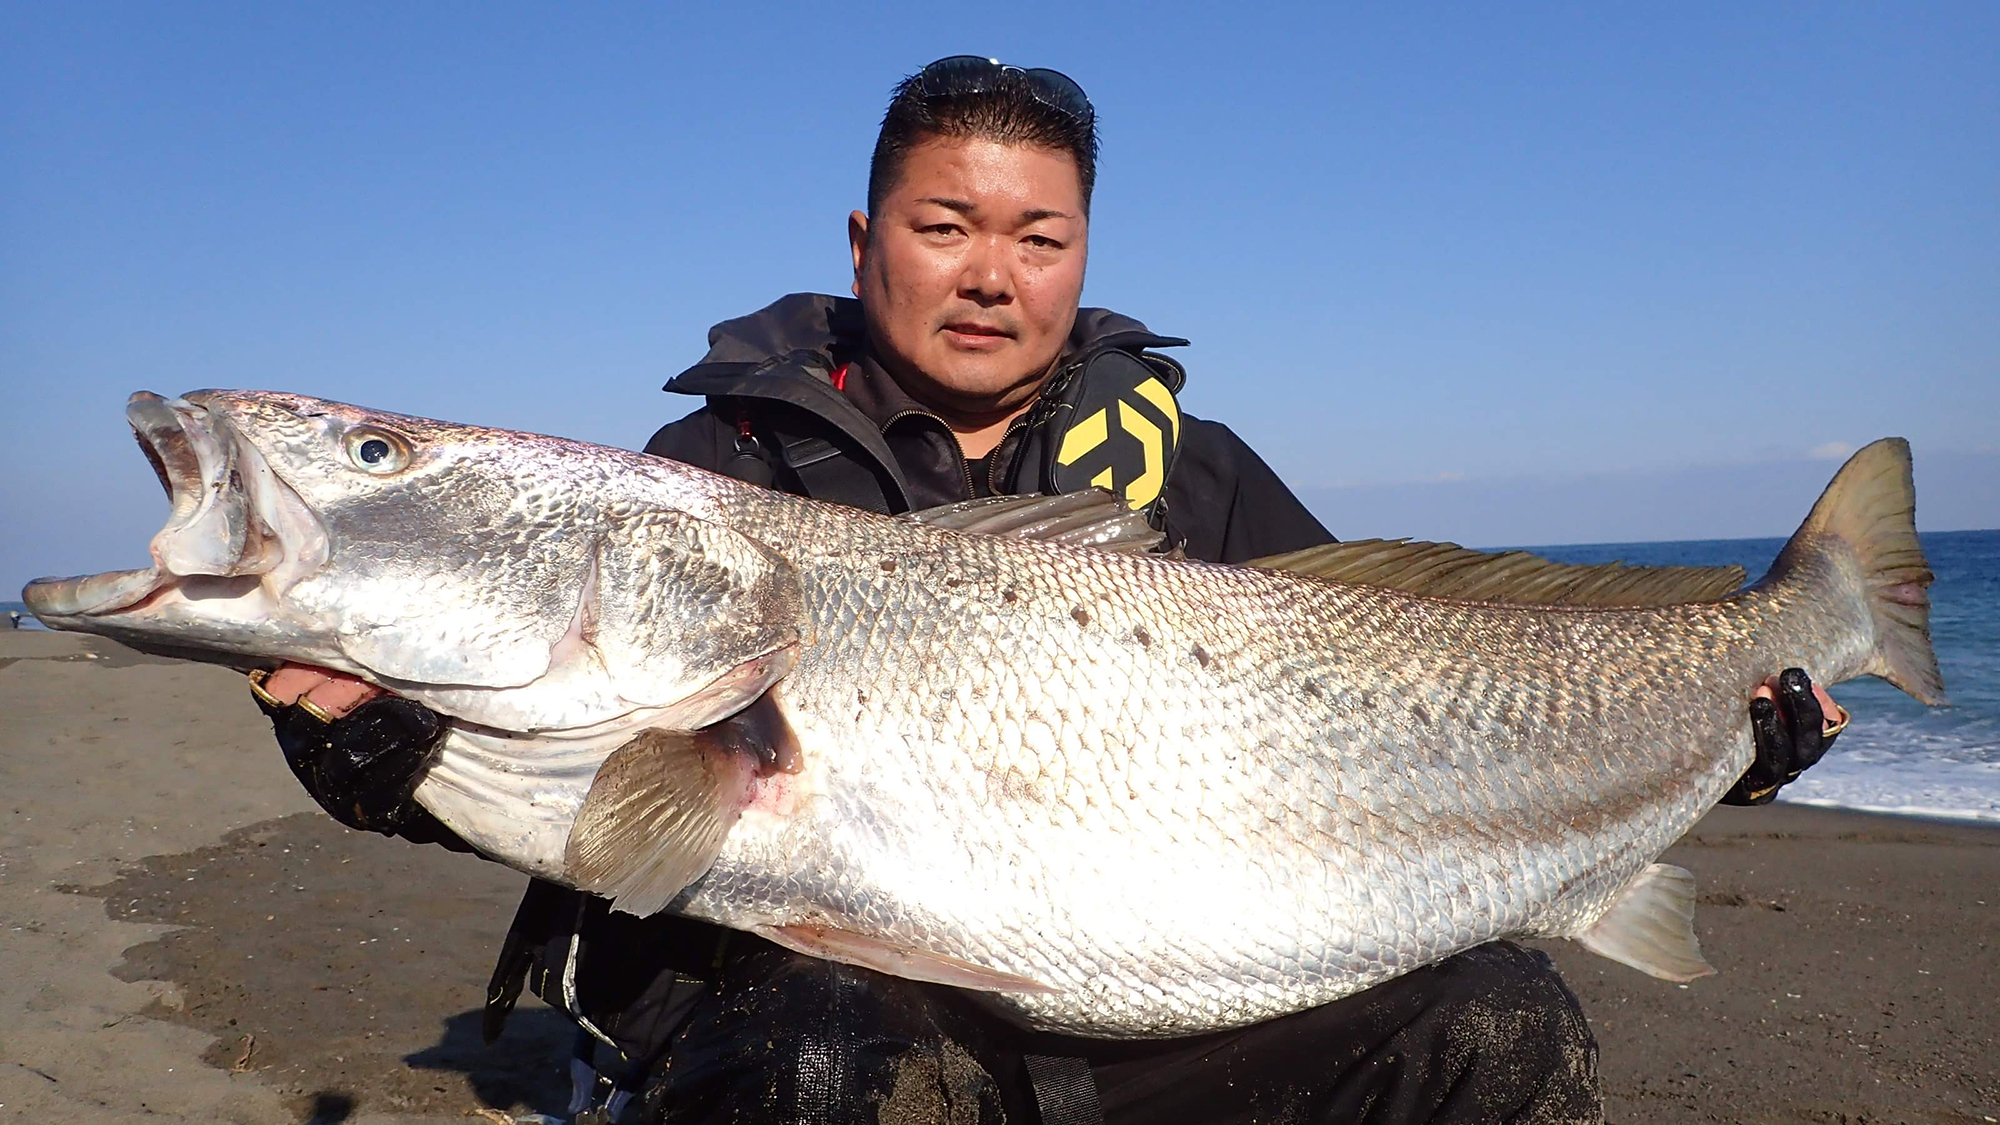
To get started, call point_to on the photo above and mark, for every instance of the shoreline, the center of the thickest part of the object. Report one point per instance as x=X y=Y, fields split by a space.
x=1926 y=816
x=206 y=945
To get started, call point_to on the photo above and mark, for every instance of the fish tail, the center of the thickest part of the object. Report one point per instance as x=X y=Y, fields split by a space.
x=1862 y=533
x=1864 y=528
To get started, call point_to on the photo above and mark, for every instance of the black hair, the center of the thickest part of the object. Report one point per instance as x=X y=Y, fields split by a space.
x=1010 y=113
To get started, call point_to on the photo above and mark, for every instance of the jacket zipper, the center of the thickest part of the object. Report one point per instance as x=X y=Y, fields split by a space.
x=993 y=463
x=964 y=472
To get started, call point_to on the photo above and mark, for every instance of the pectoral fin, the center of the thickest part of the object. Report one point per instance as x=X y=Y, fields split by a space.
x=654 y=819
x=896 y=960
x=1650 y=926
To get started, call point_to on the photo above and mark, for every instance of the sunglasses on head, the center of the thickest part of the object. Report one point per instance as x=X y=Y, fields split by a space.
x=974 y=74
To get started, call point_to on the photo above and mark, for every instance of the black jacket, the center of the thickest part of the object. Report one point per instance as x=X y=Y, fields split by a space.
x=869 y=444
x=769 y=377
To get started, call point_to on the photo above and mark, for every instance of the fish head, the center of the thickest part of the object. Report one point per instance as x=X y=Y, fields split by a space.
x=520 y=582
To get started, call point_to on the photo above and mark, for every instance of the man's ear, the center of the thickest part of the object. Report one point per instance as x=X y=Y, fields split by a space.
x=857 y=243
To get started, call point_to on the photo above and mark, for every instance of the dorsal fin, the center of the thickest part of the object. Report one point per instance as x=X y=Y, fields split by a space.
x=1096 y=518
x=1447 y=570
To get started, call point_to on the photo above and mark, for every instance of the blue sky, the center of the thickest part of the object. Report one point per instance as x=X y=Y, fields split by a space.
x=1455 y=273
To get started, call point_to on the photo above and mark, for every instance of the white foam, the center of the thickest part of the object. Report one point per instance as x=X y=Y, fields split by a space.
x=1985 y=817
x=1922 y=778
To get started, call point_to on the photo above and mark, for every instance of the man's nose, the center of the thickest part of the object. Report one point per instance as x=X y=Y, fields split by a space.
x=986 y=277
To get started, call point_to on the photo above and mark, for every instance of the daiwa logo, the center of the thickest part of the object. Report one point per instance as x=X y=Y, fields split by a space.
x=1130 y=459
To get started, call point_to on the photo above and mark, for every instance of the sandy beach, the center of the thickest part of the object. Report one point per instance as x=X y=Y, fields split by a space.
x=187 y=938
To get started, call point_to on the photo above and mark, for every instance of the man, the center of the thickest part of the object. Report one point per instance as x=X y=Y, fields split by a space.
x=964 y=366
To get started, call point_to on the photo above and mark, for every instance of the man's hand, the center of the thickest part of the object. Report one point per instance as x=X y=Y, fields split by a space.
x=331 y=694
x=359 y=751
x=1788 y=716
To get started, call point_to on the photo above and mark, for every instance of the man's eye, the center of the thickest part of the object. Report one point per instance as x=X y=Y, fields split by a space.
x=1043 y=242
x=941 y=228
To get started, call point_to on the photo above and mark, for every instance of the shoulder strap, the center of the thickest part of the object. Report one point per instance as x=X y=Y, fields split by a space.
x=806 y=426
x=824 y=471
x=770 y=454
x=1065 y=1091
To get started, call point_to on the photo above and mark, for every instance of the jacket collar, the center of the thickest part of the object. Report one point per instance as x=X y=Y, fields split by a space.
x=789 y=350
x=811 y=335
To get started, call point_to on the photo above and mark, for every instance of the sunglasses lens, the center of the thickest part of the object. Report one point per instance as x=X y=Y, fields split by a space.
x=959 y=74
x=976 y=74
x=1061 y=91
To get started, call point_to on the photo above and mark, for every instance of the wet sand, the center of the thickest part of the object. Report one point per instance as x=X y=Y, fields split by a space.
x=186 y=938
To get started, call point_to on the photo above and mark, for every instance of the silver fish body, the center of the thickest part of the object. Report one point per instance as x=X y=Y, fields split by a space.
x=1188 y=796
x=1127 y=796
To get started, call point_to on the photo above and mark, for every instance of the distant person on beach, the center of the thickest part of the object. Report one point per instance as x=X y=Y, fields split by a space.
x=956 y=371
x=13 y=619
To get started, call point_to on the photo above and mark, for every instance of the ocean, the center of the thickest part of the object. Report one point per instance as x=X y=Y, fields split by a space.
x=1898 y=756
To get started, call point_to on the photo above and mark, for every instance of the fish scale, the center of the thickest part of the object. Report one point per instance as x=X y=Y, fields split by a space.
x=1120 y=794
x=1338 y=811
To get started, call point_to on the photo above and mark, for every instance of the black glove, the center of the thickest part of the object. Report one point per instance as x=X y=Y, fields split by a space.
x=1791 y=735
x=362 y=767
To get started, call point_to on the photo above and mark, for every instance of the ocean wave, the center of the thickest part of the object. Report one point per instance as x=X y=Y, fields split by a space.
x=1914 y=782
x=1940 y=736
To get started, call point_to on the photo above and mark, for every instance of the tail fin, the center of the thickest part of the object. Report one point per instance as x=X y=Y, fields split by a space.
x=1867 y=519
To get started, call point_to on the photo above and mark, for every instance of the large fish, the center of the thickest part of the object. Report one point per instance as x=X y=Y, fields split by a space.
x=1123 y=795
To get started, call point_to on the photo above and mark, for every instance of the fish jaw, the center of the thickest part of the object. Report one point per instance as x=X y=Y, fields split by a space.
x=236 y=539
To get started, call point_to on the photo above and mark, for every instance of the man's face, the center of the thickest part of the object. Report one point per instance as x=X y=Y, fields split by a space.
x=971 y=269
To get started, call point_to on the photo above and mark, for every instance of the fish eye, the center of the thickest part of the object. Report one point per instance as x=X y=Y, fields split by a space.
x=377 y=451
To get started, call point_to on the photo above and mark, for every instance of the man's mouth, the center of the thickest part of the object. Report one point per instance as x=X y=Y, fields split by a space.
x=967 y=333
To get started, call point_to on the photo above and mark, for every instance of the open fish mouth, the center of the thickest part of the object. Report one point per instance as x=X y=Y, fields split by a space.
x=234 y=525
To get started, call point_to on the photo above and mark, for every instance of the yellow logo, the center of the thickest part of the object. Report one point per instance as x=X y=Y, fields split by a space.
x=1132 y=461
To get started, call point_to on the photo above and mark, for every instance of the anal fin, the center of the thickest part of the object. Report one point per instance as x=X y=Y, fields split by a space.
x=850 y=948
x=1650 y=926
